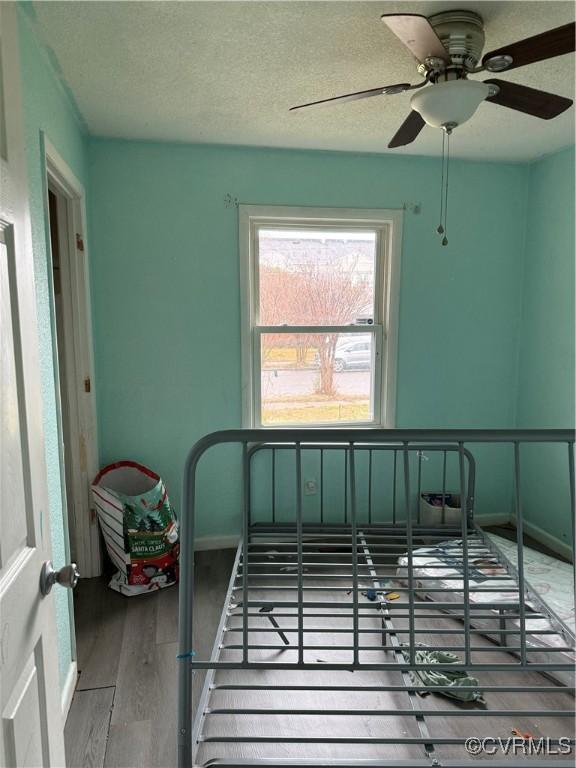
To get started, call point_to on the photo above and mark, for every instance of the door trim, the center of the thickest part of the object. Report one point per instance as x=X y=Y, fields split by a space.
x=68 y=690
x=79 y=355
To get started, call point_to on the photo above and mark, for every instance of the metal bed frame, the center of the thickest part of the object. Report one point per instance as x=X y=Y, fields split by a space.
x=359 y=551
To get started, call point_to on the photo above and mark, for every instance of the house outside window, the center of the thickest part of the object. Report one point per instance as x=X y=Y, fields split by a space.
x=319 y=316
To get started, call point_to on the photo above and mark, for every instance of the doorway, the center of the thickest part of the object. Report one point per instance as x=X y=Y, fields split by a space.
x=57 y=207
x=73 y=366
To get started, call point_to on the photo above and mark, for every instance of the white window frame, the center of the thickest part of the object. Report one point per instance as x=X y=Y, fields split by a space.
x=388 y=225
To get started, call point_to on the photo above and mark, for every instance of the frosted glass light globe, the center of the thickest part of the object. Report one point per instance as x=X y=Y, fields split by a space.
x=454 y=101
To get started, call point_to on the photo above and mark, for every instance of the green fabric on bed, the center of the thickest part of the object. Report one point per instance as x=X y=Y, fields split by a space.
x=462 y=686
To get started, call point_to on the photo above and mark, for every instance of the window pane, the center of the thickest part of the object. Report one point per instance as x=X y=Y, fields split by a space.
x=321 y=378
x=313 y=277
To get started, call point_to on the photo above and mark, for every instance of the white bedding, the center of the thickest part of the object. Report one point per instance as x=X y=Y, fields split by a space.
x=549 y=577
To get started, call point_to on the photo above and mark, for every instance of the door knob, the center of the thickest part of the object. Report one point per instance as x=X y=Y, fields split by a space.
x=67 y=576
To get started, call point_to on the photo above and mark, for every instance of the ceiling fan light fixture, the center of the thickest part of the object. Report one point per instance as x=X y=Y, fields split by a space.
x=452 y=102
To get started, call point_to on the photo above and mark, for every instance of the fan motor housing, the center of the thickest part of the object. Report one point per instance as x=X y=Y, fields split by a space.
x=462 y=34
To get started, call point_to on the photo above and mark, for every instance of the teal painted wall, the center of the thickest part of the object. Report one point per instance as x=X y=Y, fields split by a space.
x=546 y=364
x=486 y=325
x=47 y=108
x=167 y=304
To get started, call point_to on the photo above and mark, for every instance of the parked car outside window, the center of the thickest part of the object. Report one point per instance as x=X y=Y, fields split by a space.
x=357 y=354
x=351 y=354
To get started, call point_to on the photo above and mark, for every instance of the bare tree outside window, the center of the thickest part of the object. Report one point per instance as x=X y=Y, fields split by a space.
x=316 y=279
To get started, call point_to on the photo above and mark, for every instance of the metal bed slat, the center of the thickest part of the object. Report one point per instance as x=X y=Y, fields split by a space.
x=345 y=487
x=398 y=656
x=370 y=455
x=444 y=456
x=380 y=688
x=344 y=740
x=299 y=551
x=273 y=485
x=321 y=485
x=345 y=537
x=515 y=667
x=354 y=536
x=520 y=550
x=380 y=763
x=410 y=590
x=350 y=630
x=422 y=646
x=572 y=494
x=397 y=616
x=327 y=604
x=309 y=564
x=245 y=544
x=410 y=547
x=335 y=576
x=390 y=712
x=394 y=488
x=466 y=572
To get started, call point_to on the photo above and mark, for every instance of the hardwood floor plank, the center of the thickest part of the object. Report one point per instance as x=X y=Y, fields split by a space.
x=100 y=614
x=87 y=598
x=165 y=715
x=129 y=746
x=131 y=643
x=167 y=616
x=212 y=577
x=138 y=679
x=87 y=726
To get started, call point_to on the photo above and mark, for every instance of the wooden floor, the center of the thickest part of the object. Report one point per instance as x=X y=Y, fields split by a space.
x=364 y=715
x=123 y=714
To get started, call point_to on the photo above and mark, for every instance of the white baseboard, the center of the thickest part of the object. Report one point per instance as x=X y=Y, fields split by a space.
x=68 y=689
x=548 y=540
x=532 y=530
x=494 y=518
x=216 y=542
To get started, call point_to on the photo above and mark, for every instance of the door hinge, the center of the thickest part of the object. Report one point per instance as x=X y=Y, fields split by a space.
x=87 y=384
x=79 y=242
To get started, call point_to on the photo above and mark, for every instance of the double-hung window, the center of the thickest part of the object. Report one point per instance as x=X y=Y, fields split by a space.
x=319 y=316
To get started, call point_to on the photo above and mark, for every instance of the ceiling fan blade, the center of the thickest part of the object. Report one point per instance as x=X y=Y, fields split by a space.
x=547 y=45
x=386 y=90
x=417 y=34
x=529 y=100
x=408 y=131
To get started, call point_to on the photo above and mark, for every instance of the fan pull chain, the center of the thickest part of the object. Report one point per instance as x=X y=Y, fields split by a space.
x=445 y=238
x=442 y=228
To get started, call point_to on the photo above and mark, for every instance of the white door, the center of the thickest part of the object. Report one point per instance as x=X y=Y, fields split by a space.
x=31 y=731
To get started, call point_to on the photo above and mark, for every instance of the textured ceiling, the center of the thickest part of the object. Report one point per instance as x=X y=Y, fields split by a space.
x=227 y=72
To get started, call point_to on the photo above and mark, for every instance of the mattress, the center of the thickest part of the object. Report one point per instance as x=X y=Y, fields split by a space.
x=550 y=578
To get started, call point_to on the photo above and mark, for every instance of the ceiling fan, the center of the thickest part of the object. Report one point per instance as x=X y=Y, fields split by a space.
x=447 y=47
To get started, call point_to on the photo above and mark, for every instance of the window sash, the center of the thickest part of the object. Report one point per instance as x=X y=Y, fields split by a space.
x=380 y=229
x=376 y=331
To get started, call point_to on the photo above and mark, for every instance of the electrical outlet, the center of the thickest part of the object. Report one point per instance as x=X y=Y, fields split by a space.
x=310 y=487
